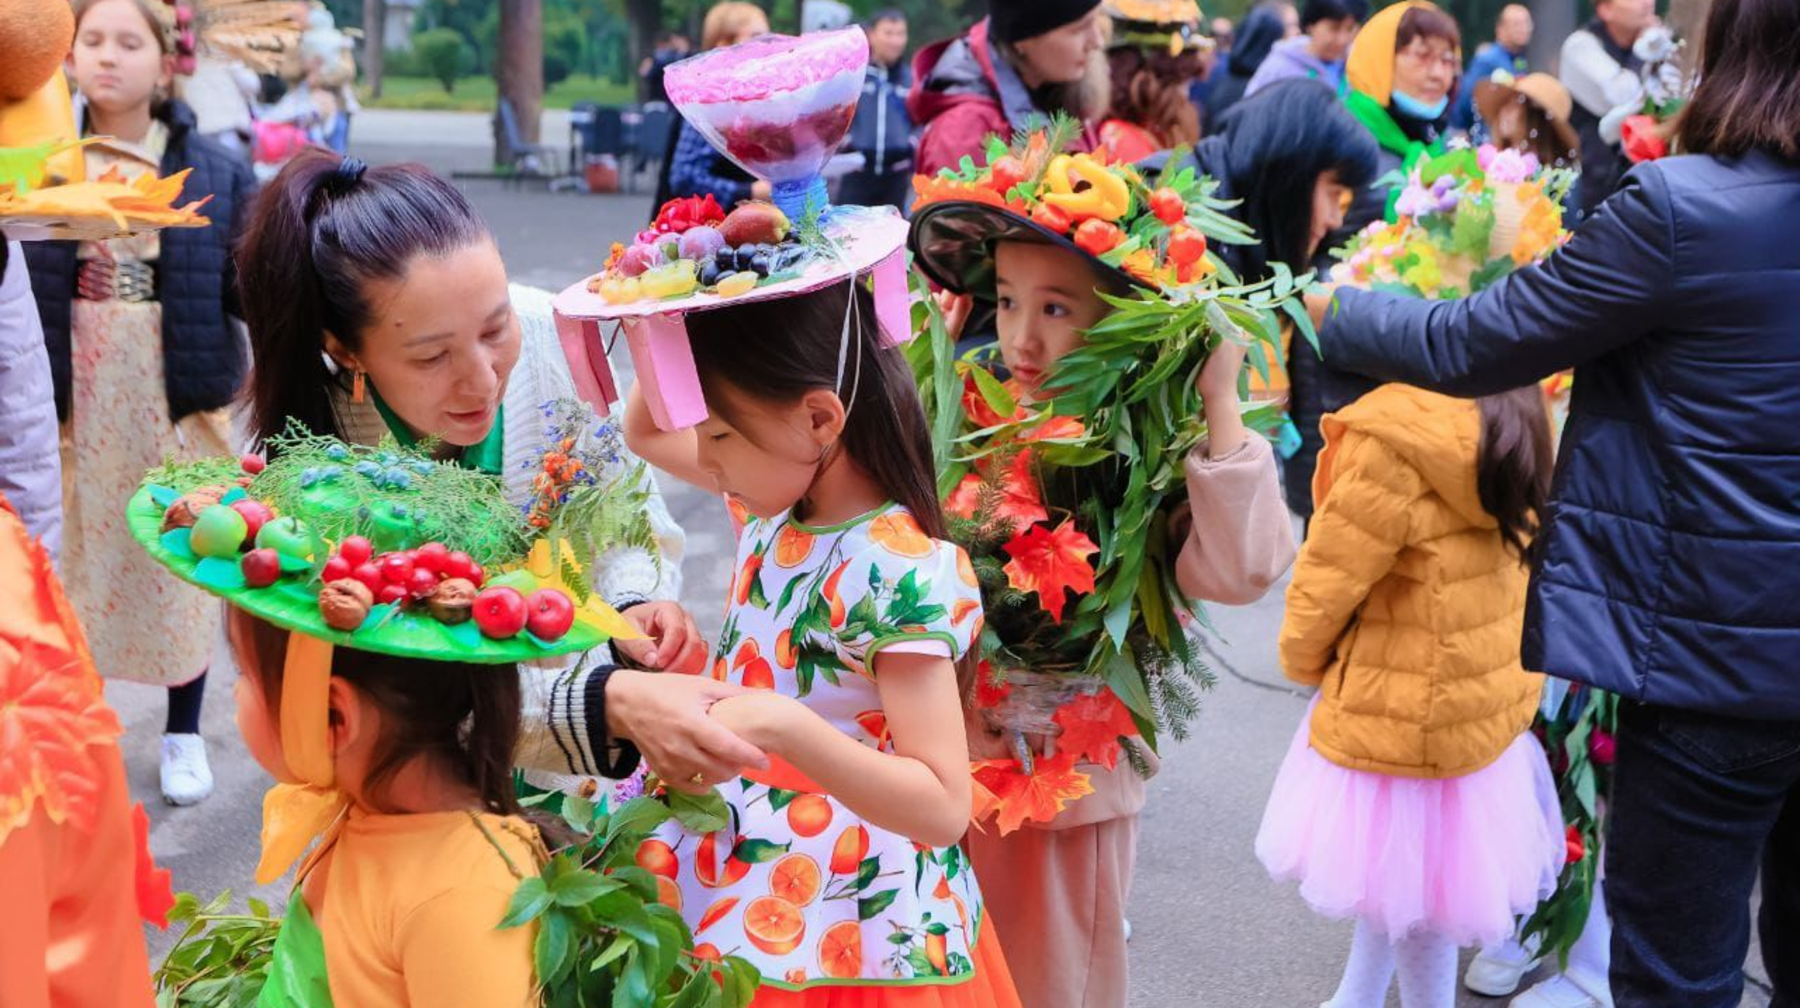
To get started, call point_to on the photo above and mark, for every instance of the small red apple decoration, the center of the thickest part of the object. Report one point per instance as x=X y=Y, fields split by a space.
x=356 y=550
x=336 y=569
x=500 y=612
x=457 y=564
x=396 y=568
x=422 y=583
x=256 y=515
x=370 y=576
x=431 y=557
x=550 y=613
x=261 y=567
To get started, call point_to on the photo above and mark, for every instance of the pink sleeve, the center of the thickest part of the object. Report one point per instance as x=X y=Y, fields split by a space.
x=1241 y=538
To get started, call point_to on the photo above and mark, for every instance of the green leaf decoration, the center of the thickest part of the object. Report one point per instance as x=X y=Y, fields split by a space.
x=870 y=907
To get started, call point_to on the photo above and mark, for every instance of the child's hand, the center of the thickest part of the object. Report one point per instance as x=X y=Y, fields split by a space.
x=672 y=644
x=956 y=309
x=756 y=717
x=1218 y=387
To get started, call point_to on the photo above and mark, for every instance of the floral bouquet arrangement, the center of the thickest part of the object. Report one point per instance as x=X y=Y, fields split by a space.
x=1465 y=219
x=1065 y=505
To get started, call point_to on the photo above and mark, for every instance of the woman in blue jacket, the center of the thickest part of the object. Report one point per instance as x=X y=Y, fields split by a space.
x=1668 y=570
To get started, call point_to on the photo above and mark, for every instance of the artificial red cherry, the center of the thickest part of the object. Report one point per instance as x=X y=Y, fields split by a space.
x=370 y=576
x=252 y=463
x=431 y=556
x=422 y=583
x=335 y=568
x=457 y=564
x=356 y=550
x=391 y=594
x=476 y=574
x=396 y=568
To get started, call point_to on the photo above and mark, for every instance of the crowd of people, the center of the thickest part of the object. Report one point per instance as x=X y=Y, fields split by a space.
x=1466 y=577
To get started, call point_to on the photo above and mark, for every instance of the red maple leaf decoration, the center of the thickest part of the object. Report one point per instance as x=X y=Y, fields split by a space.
x=155 y=889
x=988 y=693
x=1015 y=796
x=1091 y=728
x=1049 y=562
x=1020 y=501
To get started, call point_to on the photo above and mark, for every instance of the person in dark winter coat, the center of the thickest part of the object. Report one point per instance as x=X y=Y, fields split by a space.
x=1668 y=565
x=881 y=131
x=1025 y=60
x=1255 y=38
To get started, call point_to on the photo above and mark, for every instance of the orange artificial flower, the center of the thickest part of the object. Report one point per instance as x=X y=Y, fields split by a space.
x=1049 y=562
x=1091 y=727
x=937 y=189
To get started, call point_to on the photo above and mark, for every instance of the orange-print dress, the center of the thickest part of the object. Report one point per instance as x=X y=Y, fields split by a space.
x=832 y=910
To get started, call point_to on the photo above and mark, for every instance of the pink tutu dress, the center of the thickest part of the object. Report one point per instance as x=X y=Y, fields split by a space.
x=1461 y=856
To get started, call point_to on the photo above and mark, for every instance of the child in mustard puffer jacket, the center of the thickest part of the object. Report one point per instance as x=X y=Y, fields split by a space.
x=1411 y=798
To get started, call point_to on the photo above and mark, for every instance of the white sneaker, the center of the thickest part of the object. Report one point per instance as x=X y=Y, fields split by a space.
x=1128 y=929
x=1497 y=970
x=186 y=777
x=1558 y=992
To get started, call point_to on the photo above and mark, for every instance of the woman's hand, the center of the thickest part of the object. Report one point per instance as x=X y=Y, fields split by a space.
x=94 y=280
x=956 y=309
x=665 y=716
x=1218 y=385
x=671 y=644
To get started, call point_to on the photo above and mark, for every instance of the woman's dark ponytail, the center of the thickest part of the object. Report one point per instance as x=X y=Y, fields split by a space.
x=319 y=233
x=1512 y=470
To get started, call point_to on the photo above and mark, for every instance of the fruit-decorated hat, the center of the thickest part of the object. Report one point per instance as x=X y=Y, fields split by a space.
x=779 y=107
x=1030 y=190
x=1171 y=26
x=385 y=550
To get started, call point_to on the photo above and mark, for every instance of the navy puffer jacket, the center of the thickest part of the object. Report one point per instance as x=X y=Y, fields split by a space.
x=1670 y=563
x=196 y=282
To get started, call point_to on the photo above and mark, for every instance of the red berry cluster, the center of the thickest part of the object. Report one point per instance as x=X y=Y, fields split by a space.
x=396 y=577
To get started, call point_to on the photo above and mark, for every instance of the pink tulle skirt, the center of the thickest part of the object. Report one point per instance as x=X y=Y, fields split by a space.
x=1461 y=857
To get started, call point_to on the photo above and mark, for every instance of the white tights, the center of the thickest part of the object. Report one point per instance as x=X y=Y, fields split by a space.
x=1425 y=963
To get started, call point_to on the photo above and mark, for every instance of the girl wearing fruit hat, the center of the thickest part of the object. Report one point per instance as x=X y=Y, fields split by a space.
x=378 y=307
x=390 y=717
x=1092 y=274
x=144 y=359
x=1027 y=59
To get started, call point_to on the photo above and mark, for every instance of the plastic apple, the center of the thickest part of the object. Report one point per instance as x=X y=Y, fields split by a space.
x=218 y=532
x=551 y=614
x=288 y=536
x=256 y=515
x=262 y=567
x=356 y=550
x=500 y=612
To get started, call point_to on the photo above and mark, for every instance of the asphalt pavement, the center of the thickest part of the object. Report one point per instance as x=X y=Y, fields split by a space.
x=1210 y=930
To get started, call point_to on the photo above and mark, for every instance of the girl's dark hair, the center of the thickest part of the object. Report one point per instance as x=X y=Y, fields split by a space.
x=318 y=235
x=1512 y=470
x=779 y=350
x=1426 y=22
x=1277 y=143
x=1748 y=97
x=1256 y=35
x=461 y=714
x=1315 y=11
x=1150 y=89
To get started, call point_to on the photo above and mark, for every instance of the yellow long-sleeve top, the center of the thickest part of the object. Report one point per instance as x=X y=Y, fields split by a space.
x=407 y=906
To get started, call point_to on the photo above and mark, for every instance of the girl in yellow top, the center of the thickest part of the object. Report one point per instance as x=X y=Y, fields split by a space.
x=1411 y=797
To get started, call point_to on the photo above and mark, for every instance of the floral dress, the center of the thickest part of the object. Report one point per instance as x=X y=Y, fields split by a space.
x=797 y=883
x=142 y=625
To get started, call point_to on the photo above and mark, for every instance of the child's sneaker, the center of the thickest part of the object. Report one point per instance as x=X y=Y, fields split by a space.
x=1497 y=969
x=186 y=777
x=1559 y=992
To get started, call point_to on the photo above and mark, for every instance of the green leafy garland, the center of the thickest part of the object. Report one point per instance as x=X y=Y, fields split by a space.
x=1579 y=740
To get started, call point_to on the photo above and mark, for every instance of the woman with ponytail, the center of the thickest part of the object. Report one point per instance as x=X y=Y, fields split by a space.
x=378 y=306
x=1412 y=797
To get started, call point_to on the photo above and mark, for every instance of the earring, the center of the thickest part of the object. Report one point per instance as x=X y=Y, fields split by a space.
x=358 y=386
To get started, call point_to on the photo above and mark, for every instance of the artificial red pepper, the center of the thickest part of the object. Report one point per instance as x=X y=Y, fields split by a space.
x=1186 y=245
x=1168 y=206
x=1097 y=237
